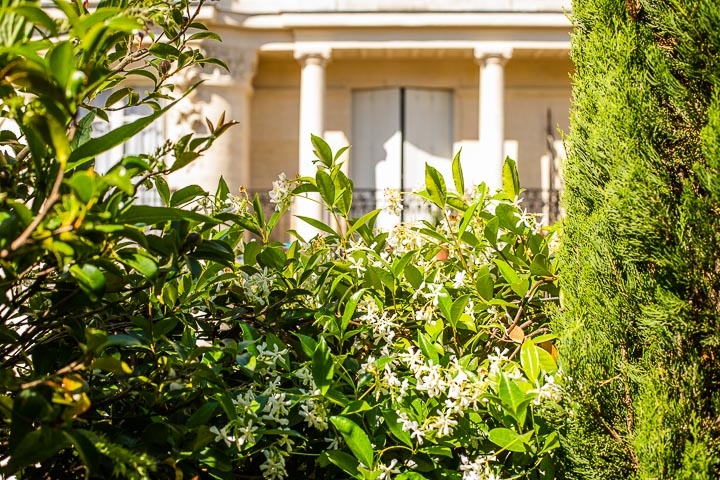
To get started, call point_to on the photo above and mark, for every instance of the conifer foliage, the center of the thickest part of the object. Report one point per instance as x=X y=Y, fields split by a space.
x=639 y=331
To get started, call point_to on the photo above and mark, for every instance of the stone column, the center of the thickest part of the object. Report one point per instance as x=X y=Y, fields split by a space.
x=228 y=92
x=312 y=121
x=491 y=115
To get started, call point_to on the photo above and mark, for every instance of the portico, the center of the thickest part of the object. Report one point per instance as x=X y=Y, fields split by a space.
x=501 y=79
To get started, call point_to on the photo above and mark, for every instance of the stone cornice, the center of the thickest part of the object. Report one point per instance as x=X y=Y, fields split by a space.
x=327 y=20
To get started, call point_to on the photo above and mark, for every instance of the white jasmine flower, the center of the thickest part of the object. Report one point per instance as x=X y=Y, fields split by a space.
x=314 y=414
x=357 y=265
x=411 y=426
x=430 y=379
x=459 y=279
x=276 y=405
x=434 y=290
x=444 y=424
x=386 y=471
x=221 y=434
x=305 y=376
x=274 y=465
x=280 y=193
x=393 y=201
x=478 y=469
x=247 y=436
x=270 y=357
x=287 y=442
x=548 y=391
x=335 y=443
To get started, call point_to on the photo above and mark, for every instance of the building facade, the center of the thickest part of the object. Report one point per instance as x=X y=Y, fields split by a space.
x=403 y=82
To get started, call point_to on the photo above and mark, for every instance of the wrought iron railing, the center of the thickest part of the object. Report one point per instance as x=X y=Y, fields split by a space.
x=535 y=200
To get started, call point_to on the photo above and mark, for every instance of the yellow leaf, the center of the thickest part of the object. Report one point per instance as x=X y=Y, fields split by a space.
x=550 y=348
x=516 y=334
x=81 y=405
x=73 y=383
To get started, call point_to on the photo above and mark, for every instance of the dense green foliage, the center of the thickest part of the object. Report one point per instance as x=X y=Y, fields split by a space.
x=640 y=257
x=180 y=342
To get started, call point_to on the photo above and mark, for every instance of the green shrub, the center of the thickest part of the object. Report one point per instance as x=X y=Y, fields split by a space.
x=161 y=342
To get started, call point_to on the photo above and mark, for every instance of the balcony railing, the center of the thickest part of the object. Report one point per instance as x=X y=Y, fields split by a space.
x=534 y=200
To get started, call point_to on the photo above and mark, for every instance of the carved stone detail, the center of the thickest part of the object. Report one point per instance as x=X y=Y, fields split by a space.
x=241 y=62
x=187 y=114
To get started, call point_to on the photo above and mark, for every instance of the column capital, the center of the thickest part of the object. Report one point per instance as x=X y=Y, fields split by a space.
x=241 y=62
x=492 y=55
x=316 y=55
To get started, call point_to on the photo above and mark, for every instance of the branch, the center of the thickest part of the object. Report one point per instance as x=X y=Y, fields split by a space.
x=50 y=201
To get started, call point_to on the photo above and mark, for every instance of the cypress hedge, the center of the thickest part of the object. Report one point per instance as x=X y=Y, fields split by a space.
x=641 y=287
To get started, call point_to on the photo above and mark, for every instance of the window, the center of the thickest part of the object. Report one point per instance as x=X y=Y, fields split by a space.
x=147 y=141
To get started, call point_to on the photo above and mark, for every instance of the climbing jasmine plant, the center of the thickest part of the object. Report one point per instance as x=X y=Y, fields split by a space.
x=418 y=352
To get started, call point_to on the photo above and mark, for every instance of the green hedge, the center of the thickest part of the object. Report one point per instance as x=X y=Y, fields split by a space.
x=641 y=275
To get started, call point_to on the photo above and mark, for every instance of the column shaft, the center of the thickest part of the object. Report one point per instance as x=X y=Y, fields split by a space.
x=492 y=115
x=312 y=116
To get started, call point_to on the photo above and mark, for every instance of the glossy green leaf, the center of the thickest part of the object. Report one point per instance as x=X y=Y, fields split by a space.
x=344 y=193
x=541 y=266
x=144 y=264
x=325 y=186
x=413 y=275
x=84 y=444
x=457 y=309
x=164 y=50
x=435 y=186
x=530 y=359
x=90 y=279
x=61 y=62
x=395 y=427
x=511 y=181
x=36 y=15
x=457 y=174
x=345 y=462
x=357 y=406
x=83 y=185
x=355 y=438
x=552 y=441
x=322 y=150
x=186 y=194
x=467 y=217
x=322 y=366
x=150 y=215
x=202 y=415
x=508 y=273
x=366 y=219
x=59 y=139
x=507 y=439
x=111 y=364
x=317 y=224
x=120 y=178
x=510 y=394
x=350 y=307
x=428 y=349
x=36 y=446
x=215 y=250
x=491 y=231
x=411 y=476
x=272 y=257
